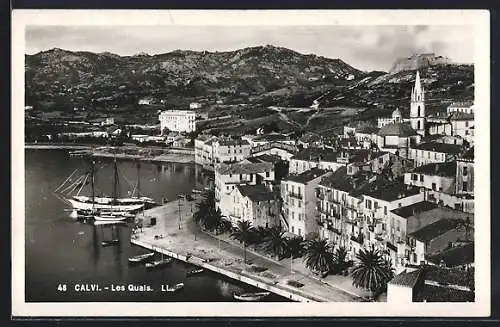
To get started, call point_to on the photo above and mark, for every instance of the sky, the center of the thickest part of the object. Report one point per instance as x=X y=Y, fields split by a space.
x=363 y=47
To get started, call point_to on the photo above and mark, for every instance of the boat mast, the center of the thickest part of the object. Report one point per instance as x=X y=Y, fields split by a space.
x=92 y=181
x=138 y=179
x=115 y=181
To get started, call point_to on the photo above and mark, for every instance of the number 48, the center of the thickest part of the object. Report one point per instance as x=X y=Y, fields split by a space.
x=62 y=287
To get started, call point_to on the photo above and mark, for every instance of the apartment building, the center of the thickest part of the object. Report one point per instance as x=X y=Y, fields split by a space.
x=178 y=121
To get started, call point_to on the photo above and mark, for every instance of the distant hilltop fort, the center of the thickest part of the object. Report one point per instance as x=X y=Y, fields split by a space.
x=418 y=61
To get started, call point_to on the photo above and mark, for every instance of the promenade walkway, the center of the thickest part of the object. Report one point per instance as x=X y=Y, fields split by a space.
x=176 y=232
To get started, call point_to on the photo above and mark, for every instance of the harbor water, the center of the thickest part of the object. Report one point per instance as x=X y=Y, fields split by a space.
x=65 y=258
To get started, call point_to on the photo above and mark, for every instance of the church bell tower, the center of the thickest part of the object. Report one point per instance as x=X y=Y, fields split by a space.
x=417 y=107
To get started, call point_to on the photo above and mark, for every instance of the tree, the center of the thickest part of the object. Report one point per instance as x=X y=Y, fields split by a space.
x=467 y=226
x=276 y=242
x=295 y=246
x=243 y=234
x=340 y=262
x=319 y=256
x=372 y=272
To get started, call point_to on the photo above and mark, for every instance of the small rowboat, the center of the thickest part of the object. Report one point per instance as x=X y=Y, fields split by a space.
x=113 y=218
x=110 y=242
x=196 y=191
x=175 y=288
x=158 y=263
x=195 y=272
x=141 y=257
x=257 y=296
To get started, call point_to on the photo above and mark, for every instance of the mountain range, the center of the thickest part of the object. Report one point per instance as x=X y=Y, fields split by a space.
x=261 y=76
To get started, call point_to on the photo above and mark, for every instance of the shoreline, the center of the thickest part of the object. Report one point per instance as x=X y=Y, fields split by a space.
x=176 y=155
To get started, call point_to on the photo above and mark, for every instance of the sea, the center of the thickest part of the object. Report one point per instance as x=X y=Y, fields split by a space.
x=64 y=255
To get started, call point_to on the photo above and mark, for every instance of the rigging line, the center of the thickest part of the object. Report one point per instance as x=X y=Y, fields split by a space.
x=124 y=177
x=72 y=184
x=83 y=184
x=57 y=189
x=75 y=186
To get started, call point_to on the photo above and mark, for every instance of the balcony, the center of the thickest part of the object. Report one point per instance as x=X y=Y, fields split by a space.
x=295 y=195
x=358 y=239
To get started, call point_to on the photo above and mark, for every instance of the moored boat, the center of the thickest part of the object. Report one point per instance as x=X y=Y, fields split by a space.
x=175 y=288
x=256 y=296
x=113 y=218
x=195 y=272
x=158 y=263
x=141 y=257
x=110 y=242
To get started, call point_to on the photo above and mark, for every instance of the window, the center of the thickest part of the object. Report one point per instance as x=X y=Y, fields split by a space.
x=368 y=204
x=267 y=174
x=466 y=124
x=385 y=210
x=433 y=186
x=464 y=171
x=293 y=215
x=299 y=216
x=421 y=178
x=375 y=205
x=228 y=150
x=300 y=233
x=464 y=186
x=241 y=176
x=299 y=204
x=414 y=177
x=293 y=230
x=428 y=155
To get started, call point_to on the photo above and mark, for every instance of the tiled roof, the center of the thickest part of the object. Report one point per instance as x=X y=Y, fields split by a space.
x=244 y=168
x=397 y=129
x=443 y=169
x=414 y=208
x=387 y=190
x=458 y=115
x=407 y=279
x=272 y=137
x=257 y=192
x=438 y=147
x=265 y=158
x=232 y=142
x=455 y=256
x=435 y=229
x=461 y=104
x=307 y=176
x=316 y=154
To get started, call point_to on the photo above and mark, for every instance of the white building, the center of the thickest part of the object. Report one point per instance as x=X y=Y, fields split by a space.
x=314 y=157
x=434 y=176
x=225 y=149
x=403 y=288
x=257 y=204
x=228 y=176
x=430 y=152
x=299 y=201
x=178 y=121
x=463 y=106
x=194 y=105
x=462 y=124
x=396 y=117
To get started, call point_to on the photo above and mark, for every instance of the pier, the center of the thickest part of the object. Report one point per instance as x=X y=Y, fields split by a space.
x=175 y=234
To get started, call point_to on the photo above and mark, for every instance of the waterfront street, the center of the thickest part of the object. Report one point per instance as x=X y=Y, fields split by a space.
x=179 y=234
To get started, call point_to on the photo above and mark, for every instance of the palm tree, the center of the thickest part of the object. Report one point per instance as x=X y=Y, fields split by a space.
x=260 y=234
x=295 y=246
x=243 y=233
x=339 y=257
x=372 y=272
x=319 y=255
x=276 y=242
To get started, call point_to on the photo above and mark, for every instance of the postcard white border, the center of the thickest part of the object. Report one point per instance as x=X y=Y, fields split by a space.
x=477 y=19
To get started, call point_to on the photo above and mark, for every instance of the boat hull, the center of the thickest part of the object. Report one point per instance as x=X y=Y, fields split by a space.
x=111 y=207
x=251 y=296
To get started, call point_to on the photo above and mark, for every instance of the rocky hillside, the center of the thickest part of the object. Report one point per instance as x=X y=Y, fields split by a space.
x=60 y=80
x=418 y=61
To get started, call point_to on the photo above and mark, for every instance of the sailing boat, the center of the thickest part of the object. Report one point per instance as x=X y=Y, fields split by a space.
x=84 y=204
